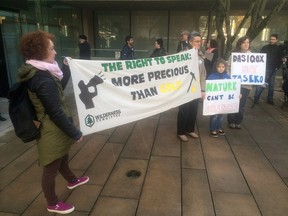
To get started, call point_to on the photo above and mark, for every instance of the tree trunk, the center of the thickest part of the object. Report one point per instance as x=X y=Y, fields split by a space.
x=258 y=23
x=220 y=18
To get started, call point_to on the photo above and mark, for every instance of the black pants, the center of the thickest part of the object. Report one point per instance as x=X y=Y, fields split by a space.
x=48 y=178
x=237 y=118
x=187 y=117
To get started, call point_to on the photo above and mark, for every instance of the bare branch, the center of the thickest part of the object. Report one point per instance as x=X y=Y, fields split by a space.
x=253 y=31
x=256 y=12
x=246 y=17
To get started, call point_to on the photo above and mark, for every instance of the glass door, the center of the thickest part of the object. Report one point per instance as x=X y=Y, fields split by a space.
x=9 y=53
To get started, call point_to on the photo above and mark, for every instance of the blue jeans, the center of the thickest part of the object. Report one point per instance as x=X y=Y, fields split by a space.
x=270 y=79
x=216 y=122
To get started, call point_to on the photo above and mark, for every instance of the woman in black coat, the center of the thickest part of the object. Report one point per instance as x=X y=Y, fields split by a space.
x=159 y=49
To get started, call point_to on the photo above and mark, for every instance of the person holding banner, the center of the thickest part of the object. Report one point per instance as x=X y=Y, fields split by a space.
x=45 y=83
x=235 y=119
x=187 y=113
x=216 y=120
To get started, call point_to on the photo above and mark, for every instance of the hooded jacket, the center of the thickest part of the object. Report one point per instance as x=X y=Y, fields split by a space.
x=57 y=130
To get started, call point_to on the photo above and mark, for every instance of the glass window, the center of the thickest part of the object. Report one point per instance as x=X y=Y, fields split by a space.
x=10 y=34
x=146 y=27
x=64 y=22
x=179 y=21
x=111 y=28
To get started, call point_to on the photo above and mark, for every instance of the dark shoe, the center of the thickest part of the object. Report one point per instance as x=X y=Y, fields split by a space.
x=183 y=138
x=214 y=134
x=2 y=118
x=256 y=101
x=232 y=126
x=270 y=102
x=238 y=126
x=61 y=208
x=221 y=133
x=78 y=182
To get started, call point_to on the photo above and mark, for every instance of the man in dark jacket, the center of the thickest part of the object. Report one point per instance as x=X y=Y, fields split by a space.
x=183 y=44
x=127 y=52
x=273 y=63
x=84 y=48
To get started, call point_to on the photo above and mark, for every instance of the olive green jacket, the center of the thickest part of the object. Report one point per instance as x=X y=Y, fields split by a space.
x=57 y=130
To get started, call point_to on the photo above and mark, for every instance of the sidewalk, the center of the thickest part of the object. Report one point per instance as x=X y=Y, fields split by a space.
x=5 y=126
x=244 y=173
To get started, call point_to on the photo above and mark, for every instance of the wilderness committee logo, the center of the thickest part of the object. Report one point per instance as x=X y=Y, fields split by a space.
x=89 y=120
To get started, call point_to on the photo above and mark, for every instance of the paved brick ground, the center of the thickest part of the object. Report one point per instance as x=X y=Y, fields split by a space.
x=244 y=173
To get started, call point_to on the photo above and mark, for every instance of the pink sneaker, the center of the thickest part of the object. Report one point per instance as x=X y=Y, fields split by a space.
x=80 y=181
x=61 y=208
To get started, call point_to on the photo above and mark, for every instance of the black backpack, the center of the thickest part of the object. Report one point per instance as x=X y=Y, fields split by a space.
x=22 y=113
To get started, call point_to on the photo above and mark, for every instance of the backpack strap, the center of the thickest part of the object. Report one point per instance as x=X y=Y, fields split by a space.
x=28 y=86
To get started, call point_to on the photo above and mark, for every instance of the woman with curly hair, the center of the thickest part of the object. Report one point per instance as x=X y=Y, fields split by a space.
x=45 y=84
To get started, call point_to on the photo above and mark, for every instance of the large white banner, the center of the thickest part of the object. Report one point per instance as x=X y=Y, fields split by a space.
x=112 y=93
x=221 y=96
x=250 y=68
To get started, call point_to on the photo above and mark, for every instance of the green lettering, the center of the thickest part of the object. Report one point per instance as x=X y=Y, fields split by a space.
x=129 y=65
x=234 y=86
x=215 y=88
x=209 y=87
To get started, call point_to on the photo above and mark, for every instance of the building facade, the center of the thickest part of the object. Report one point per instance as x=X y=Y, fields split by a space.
x=107 y=23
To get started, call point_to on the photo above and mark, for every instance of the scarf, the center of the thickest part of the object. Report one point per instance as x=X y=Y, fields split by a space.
x=53 y=68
